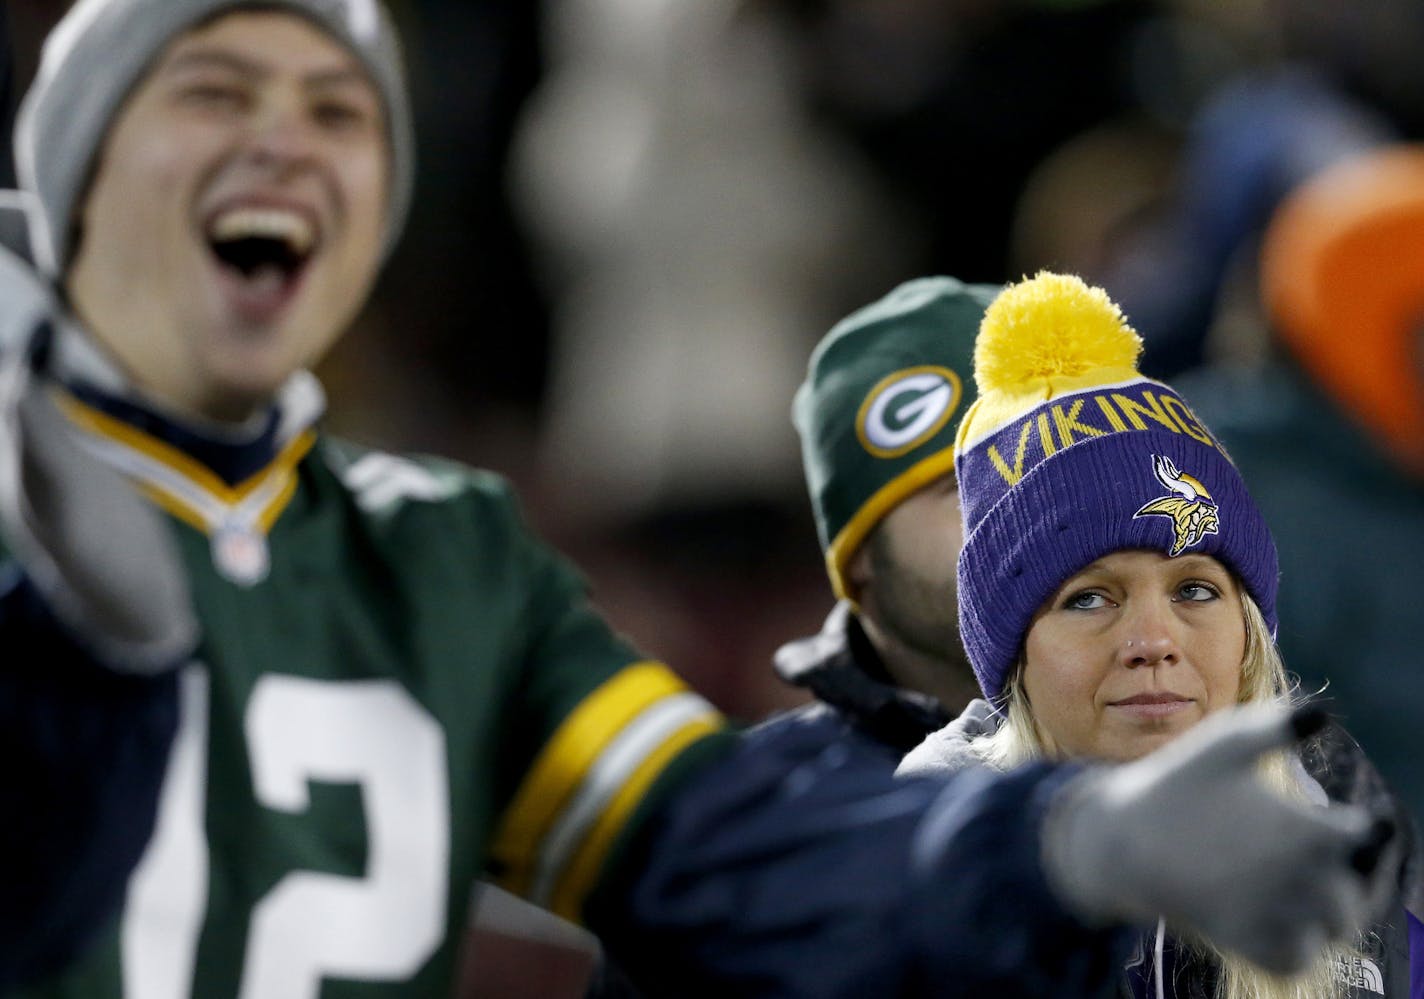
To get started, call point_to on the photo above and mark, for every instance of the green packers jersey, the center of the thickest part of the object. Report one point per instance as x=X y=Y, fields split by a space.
x=399 y=691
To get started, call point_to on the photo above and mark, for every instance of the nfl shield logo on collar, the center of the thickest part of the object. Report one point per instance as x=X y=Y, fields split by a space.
x=240 y=554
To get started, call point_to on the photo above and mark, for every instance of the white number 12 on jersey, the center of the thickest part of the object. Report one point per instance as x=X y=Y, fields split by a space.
x=380 y=927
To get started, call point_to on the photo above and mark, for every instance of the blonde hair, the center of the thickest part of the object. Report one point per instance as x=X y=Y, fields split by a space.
x=1263 y=679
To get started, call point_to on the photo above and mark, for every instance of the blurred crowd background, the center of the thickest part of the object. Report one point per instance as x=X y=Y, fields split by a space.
x=635 y=218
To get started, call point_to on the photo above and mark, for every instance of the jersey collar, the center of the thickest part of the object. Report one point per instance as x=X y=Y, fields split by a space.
x=230 y=483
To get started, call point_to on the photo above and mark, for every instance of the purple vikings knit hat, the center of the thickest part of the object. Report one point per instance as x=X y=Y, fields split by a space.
x=1070 y=454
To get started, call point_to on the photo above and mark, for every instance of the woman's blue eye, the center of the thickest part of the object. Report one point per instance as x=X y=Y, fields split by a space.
x=1198 y=592
x=1087 y=600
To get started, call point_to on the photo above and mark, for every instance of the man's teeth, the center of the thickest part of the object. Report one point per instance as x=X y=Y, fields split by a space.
x=264 y=223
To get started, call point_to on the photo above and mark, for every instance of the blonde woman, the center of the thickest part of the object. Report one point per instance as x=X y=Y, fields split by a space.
x=1117 y=586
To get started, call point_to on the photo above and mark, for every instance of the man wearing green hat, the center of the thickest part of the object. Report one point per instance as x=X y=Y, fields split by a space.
x=883 y=395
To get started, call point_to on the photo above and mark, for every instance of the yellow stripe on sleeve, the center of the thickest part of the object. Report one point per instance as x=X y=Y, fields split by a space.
x=582 y=872
x=567 y=758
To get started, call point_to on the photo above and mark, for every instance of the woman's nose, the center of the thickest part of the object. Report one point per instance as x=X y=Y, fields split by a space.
x=1147 y=638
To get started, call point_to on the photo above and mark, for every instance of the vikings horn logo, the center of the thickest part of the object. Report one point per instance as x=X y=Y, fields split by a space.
x=1191 y=510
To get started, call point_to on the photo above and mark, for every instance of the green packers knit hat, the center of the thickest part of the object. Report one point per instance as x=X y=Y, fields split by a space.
x=99 y=51
x=879 y=406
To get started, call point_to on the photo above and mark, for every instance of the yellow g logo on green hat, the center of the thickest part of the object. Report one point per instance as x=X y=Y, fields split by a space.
x=906 y=409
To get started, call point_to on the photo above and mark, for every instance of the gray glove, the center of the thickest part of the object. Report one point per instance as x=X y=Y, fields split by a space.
x=100 y=556
x=1190 y=833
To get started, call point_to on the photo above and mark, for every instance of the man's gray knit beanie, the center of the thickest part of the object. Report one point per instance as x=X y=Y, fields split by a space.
x=100 y=50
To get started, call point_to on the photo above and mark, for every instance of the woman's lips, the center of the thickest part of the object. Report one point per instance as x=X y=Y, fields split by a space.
x=1154 y=705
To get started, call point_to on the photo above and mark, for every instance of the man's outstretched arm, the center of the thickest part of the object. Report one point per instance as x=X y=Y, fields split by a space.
x=789 y=868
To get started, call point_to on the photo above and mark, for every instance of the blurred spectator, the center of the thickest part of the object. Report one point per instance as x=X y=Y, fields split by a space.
x=956 y=102
x=698 y=230
x=1254 y=139
x=1368 y=48
x=1329 y=434
x=1089 y=207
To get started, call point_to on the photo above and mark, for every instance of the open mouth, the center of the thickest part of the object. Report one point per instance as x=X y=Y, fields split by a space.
x=264 y=250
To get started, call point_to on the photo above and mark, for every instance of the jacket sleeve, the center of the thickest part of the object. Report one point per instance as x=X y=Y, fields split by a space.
x=796 y=866
x=83 y=750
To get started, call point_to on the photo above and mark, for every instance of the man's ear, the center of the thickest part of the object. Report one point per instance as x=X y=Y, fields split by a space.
x=859 y=572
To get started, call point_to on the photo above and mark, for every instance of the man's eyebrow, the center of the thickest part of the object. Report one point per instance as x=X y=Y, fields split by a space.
x=223 y=59
x=338 y=77
x=202 y=58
